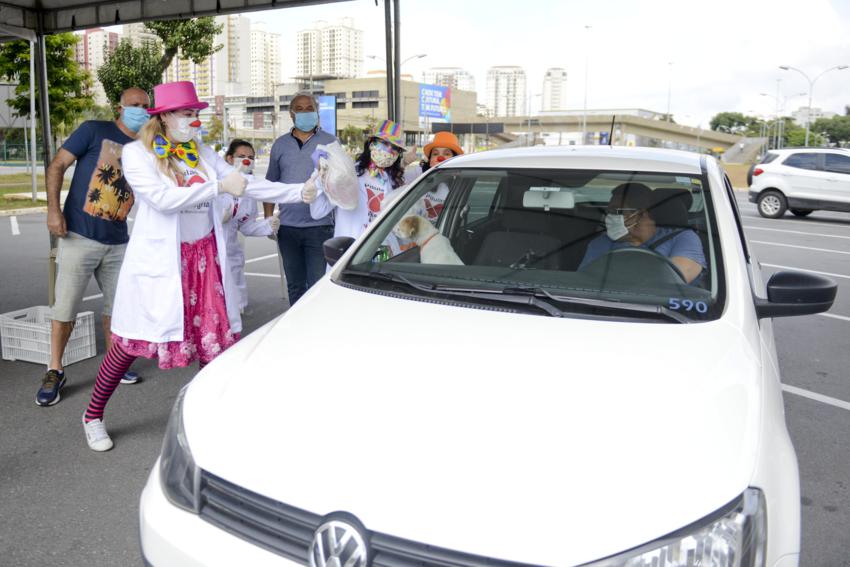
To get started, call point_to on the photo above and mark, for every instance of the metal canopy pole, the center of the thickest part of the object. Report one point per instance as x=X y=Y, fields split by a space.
x=32 y=140
x=397 y=100
x=388 y=27
x=47 y=145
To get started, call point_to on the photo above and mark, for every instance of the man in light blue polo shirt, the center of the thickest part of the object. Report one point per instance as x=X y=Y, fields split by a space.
x=300 y=237
x=629 y=223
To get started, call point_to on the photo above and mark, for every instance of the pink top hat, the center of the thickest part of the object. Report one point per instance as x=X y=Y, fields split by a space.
x=175 y=96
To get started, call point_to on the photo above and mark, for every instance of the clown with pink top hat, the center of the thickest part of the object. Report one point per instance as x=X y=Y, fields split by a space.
x=176 y=300
x=380 y=173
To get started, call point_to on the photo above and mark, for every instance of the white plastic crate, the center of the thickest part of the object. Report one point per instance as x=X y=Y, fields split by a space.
x=25 y=335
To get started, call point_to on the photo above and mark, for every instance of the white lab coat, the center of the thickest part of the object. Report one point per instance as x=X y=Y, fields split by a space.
x=245 y=221
x=149 y=298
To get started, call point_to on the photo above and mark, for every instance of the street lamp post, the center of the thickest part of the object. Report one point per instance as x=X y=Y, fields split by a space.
x=586 y=65
x=669 y=90
x=781 y=101
x=811 y=87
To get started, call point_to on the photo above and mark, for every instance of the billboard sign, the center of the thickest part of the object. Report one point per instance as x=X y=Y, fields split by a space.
x=435 y=102
x=327 y=113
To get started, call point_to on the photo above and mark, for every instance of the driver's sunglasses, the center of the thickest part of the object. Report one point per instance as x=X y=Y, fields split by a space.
x=624 y=211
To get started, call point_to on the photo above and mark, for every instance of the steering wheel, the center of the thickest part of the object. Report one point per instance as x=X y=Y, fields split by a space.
x=640 y=258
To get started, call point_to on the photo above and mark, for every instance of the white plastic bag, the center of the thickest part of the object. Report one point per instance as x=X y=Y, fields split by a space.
x=338 y=176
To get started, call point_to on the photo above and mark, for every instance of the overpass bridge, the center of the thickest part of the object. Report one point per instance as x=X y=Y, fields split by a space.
x=628 y=130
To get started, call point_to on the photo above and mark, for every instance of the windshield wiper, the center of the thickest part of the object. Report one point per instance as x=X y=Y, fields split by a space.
x=527 y=296
x=604 y=303
x=494 y=295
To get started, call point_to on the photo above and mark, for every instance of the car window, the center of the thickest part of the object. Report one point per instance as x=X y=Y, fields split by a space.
x=481 y=197
x=802 y=161
x=837 y=163
x=769 y=157
x=555 y=233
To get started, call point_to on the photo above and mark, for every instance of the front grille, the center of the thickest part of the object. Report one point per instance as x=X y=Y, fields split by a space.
x=288 y=531
x=273 y=525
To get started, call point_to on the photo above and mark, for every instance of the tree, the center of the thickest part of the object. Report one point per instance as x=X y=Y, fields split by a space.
x=352 y=136
x=130 y=66
x=194 y=39
x=69 y=84
x=836 y=129
x=730 y=122
x=215 y=130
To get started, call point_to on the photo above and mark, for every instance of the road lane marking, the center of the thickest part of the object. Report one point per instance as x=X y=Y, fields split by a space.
x=804 y=270
x=816 y=397
x=800 y=247
x=89 y=298
x=262 y=275
x=252 y=260
x=833 y=316
x=746 y=228
x=16 y=230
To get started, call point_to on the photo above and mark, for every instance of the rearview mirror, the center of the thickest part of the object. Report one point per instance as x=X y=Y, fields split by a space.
x=796 y=293
x=335 y=247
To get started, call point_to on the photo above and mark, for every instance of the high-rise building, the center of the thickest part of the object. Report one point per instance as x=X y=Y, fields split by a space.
x=265 y=61
x=453 y=77
x=202 y=74
x=555 y=89
x=233 y=62
x=91 y=52
x=138 y=35
x=330 y=50
x=506 y=91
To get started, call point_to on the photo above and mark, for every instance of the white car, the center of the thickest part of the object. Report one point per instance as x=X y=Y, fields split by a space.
x=530 y=406
x=801 y=180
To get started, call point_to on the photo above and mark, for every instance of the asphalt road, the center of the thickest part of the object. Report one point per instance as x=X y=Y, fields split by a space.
x=62 y=504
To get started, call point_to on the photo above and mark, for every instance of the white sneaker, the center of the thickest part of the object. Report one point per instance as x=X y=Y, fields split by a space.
x=96 y=435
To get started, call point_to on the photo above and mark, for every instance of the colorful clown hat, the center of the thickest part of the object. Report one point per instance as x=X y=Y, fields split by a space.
x=390 y=132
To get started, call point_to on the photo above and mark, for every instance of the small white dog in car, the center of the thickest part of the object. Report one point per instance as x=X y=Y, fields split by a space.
x=434 y=248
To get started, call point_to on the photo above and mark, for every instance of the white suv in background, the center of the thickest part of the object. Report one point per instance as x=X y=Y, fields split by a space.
x=801 y=180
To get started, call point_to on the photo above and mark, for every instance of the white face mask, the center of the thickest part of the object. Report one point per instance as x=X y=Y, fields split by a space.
x=615 y=225
x=246 y=165
x=180 y=128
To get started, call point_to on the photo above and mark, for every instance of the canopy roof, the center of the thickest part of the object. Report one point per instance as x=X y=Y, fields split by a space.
x=25 y=18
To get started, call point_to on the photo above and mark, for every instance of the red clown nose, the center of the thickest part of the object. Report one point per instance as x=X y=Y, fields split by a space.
x=246 y=161
x=195 y=124
x=441 y=159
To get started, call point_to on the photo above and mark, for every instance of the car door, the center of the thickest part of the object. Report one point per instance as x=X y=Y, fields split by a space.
x=802 y=175
x=836 y=185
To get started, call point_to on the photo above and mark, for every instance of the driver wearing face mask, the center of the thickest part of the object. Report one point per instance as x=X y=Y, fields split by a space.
x=629 y=222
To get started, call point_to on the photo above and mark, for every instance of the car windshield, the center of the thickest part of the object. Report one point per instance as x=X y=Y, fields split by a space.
x=570 y=243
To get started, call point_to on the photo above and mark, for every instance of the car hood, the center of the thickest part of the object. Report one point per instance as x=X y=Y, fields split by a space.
x=515 y=436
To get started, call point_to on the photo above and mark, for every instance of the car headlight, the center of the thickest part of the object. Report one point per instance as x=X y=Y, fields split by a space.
x=734 y=536
x=178 y=475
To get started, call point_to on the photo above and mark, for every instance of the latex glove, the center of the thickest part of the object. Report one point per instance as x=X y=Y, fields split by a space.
x=310 y=190
x=410 y=156
x=274 y=224
x=233 y=183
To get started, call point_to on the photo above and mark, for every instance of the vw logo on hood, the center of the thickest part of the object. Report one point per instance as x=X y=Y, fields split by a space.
x=338 y=542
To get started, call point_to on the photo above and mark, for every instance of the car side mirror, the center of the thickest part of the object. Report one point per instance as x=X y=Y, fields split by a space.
x=335 y=247
x=796 y=293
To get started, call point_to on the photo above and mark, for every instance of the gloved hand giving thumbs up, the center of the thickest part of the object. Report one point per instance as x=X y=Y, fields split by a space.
x=309 y=191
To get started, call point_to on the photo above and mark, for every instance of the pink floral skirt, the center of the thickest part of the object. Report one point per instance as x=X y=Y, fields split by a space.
x=206 y=328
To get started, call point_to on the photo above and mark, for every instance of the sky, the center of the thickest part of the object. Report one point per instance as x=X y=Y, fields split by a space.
x=711 y=56
x=714 y=56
